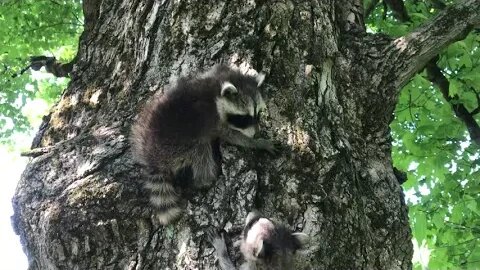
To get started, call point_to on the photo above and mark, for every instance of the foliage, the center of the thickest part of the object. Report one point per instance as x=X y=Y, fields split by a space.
x=434 y=148
x=27 y=28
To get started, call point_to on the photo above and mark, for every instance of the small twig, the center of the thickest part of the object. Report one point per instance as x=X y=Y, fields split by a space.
x=36 y=152
x=78 y=19
x=21 y=71
x=410 y=105
x=51 y=65
x=438 y=4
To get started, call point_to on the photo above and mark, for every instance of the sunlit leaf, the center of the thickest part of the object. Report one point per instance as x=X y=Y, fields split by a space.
x=29 y=28
x=420 y=227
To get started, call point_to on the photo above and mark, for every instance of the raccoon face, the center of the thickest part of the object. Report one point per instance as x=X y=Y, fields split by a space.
x=256 y=232
x=239 y=106
x=268 y=243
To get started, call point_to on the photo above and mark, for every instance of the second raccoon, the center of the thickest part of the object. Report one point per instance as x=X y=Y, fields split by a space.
x=264 y=244
x=177 y=130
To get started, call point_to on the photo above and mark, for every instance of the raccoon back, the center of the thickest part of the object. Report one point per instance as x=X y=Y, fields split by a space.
x=171 y=124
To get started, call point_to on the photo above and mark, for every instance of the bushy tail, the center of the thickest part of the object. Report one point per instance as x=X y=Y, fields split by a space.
x=165 y=201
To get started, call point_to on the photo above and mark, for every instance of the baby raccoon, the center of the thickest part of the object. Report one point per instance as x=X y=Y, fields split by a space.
x=178 y=130
x=264 y=245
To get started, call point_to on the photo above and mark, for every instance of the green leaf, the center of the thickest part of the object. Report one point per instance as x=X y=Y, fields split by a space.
x=409 y=140
x=438 y=220
x=466 y=61
x=474 y=257
x=457 y=213
x=473 y=206
x=420 y=227
x=419 y=15
x=454 y=88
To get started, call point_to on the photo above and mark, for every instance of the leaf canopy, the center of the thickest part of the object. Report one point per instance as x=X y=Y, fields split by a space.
x=433 y=146
x=29 y=28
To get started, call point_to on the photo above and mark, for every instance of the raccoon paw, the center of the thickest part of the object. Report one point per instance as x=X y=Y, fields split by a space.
x=204 y=183
x=269 y=146
x=216 y=240
x=204 y=175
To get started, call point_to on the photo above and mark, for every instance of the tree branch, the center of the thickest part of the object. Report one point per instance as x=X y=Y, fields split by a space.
x=411 y=52
x=438 y=4
x=36 y=152
x=435 y=75
x=477 y=110
x=51 y=65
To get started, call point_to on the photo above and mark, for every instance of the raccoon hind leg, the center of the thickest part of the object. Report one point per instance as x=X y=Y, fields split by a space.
x=183 y=178
x=204 y=165
x=217 y=155
x=183 y=181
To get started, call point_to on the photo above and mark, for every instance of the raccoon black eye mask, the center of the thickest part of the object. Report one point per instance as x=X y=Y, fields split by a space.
x=241 y=120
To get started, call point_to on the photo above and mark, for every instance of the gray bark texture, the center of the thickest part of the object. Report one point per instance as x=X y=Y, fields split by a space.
x=331 y=89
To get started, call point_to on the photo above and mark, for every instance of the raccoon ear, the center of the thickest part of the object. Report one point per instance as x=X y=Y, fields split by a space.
x=260 y=250
x=228 y=88
x=260 y=78
x=302 y=238
x=253 y=214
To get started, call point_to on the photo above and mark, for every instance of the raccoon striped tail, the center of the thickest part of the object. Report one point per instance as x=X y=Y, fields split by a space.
x=165 y=201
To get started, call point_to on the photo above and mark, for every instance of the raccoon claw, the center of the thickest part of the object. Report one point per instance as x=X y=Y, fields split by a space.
x=272 y=148
x=211 y=234
x=277 y=147
x=217 y=240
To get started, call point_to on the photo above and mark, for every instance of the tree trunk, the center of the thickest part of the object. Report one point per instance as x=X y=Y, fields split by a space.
x=330 y=98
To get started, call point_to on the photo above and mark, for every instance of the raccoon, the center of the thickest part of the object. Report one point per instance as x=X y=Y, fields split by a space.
x=181 y=128
x=263 y=244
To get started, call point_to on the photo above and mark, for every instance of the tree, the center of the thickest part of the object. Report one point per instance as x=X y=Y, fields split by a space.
x=331 y=89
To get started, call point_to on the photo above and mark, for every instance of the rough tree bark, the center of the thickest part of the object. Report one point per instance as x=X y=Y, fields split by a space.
x=331 y=91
